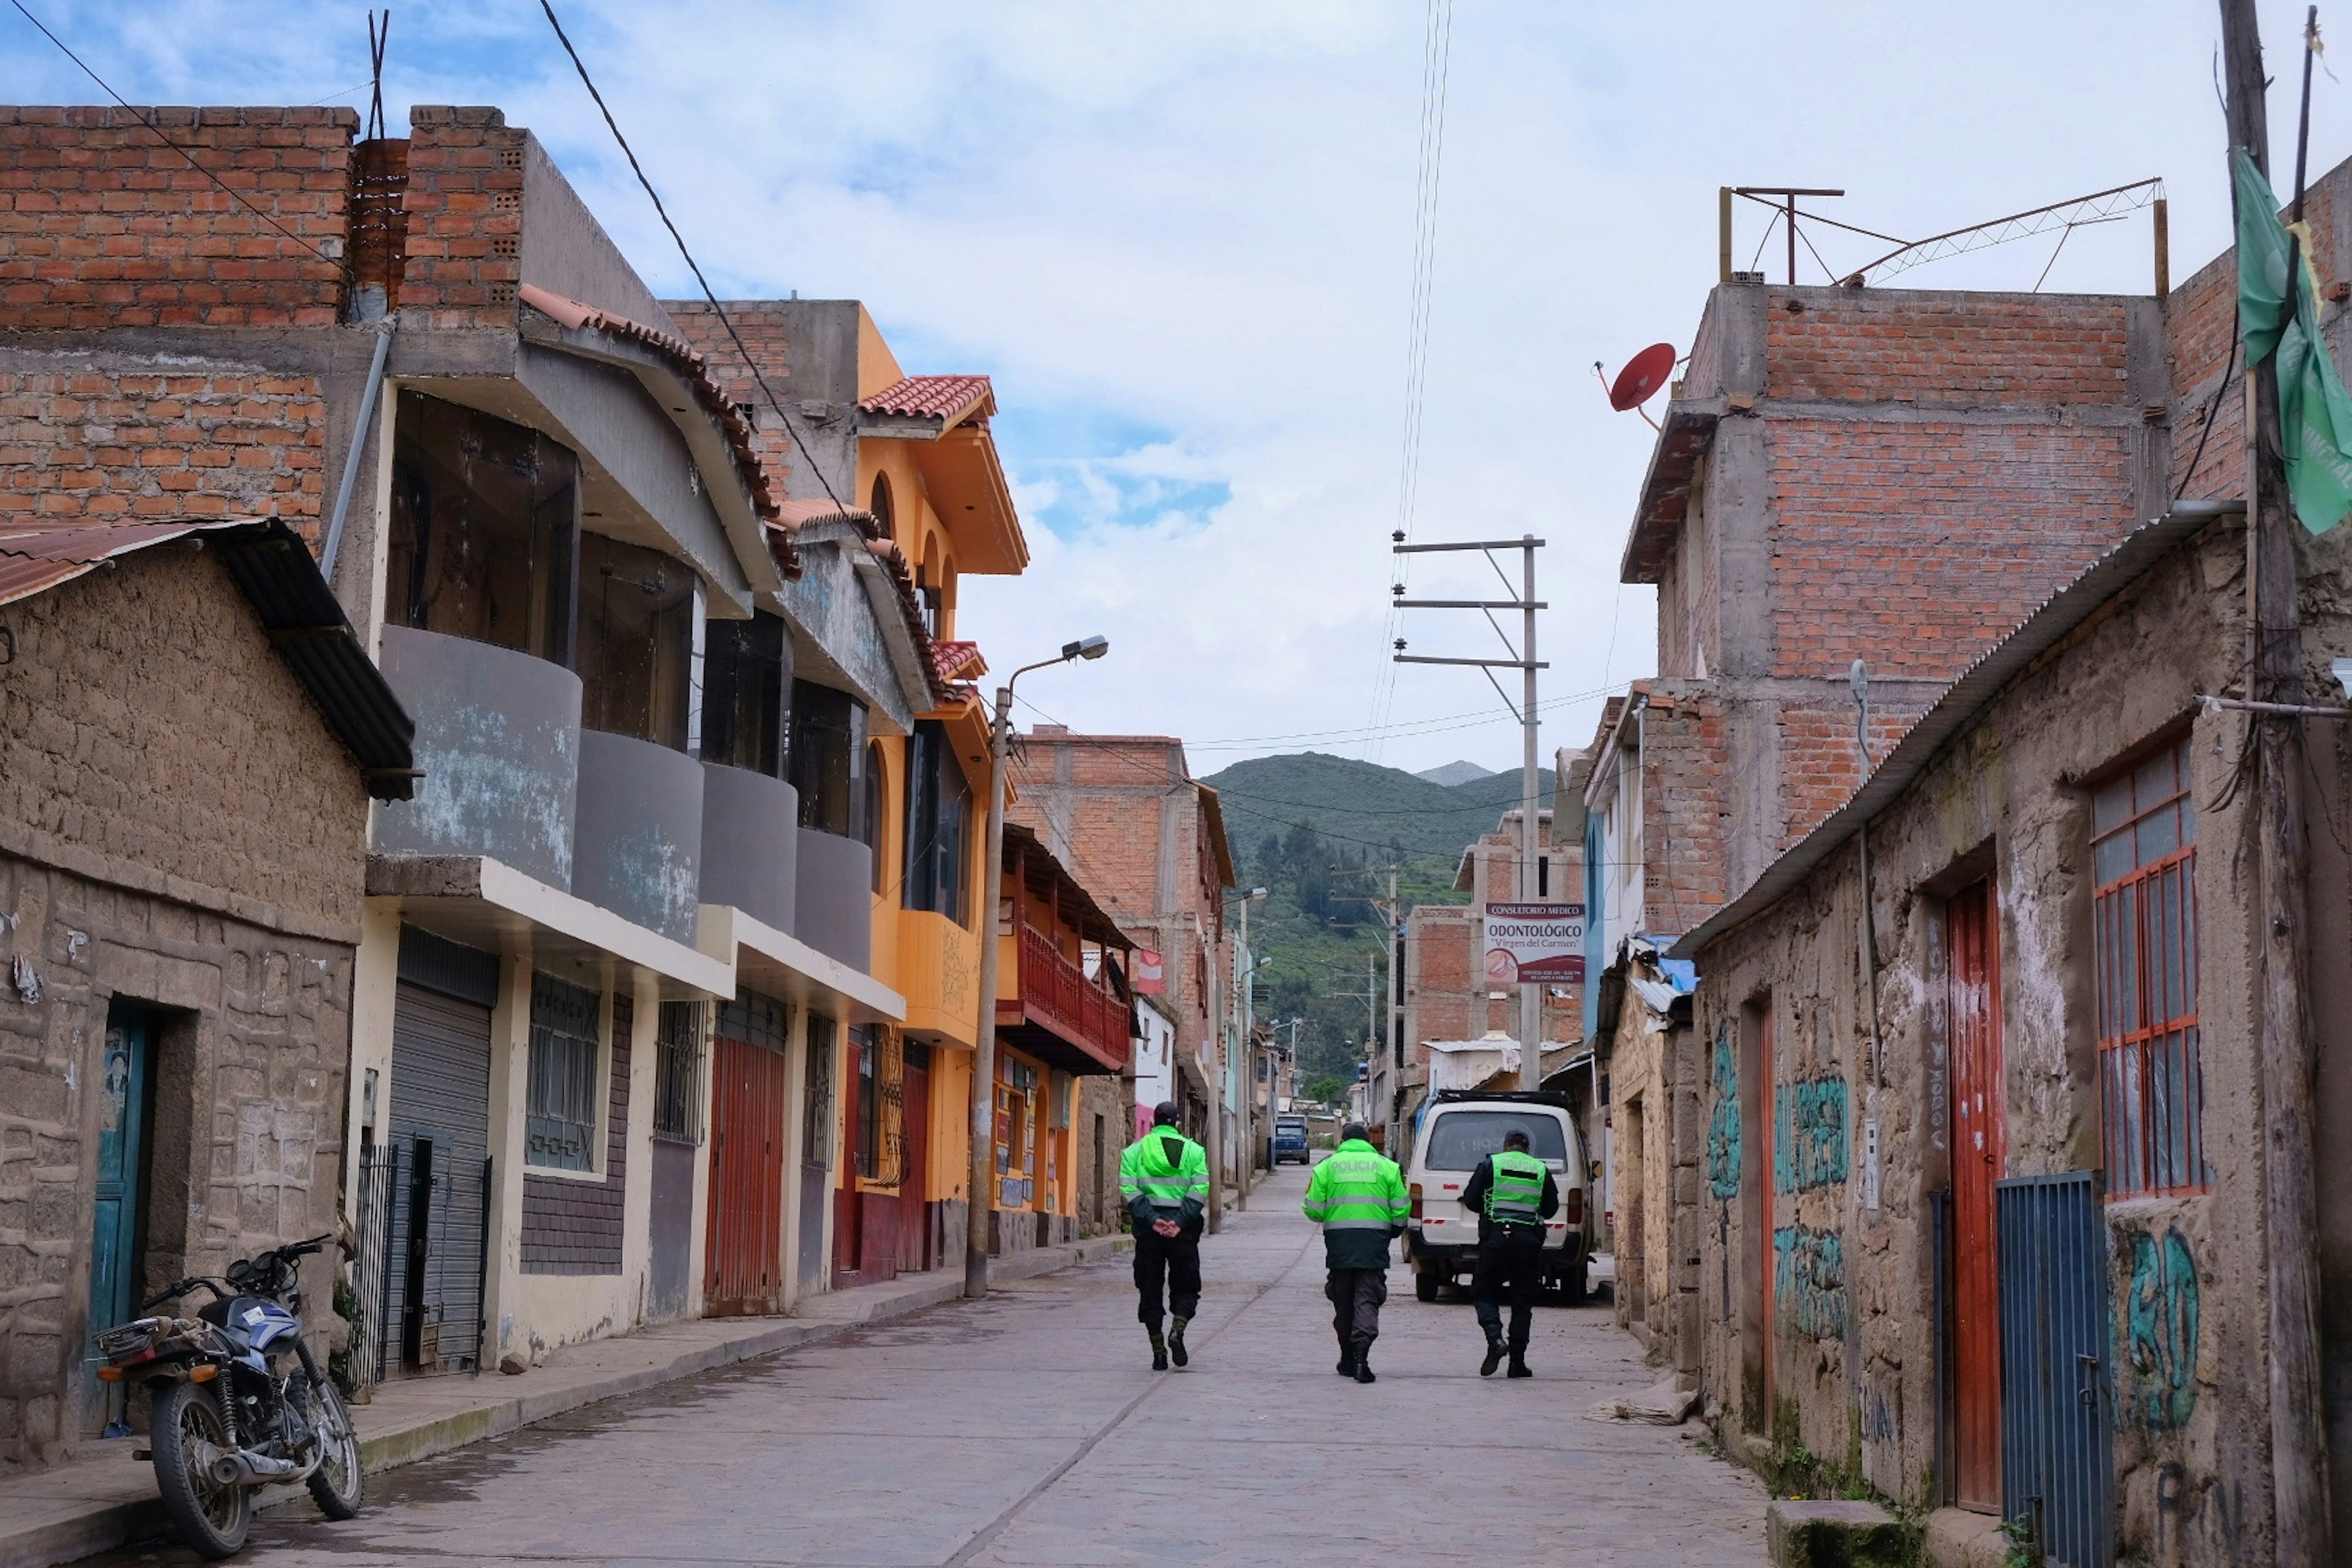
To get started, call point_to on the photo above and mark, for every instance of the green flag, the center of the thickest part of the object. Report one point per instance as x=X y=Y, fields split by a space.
x=2314 y=411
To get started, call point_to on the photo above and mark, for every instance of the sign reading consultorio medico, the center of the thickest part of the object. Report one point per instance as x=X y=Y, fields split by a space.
x=1529 y=942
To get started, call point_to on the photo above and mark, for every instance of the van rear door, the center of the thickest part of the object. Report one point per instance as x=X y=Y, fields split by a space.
x=1458 y=1139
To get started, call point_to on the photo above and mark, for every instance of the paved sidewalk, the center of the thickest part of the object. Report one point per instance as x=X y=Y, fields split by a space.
x=1028 y=1429
x=107 y=1497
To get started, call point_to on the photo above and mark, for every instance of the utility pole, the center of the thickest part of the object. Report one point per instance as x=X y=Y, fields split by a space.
x=1243 y=1012
x=2274 y=674
x=1524 y=661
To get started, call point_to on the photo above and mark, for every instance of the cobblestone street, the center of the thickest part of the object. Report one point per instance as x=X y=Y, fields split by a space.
x=1029 y=1430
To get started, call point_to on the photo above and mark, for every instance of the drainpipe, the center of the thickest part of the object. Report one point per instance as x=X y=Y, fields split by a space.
x=359 y=441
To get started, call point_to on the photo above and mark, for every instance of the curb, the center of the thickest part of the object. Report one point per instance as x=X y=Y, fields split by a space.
x=114 y=1509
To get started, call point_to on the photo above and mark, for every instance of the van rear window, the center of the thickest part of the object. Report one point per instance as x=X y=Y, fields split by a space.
x=1462 y=1139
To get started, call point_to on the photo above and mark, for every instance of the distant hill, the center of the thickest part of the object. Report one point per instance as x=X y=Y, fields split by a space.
x=1362 y=804
x=1456 y=772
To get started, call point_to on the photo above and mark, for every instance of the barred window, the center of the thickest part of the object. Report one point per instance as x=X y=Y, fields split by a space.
x=2143 y=859
x=560 y=1124
x=678 y=1072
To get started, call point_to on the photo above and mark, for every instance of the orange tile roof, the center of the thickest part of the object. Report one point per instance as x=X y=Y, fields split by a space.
x=951 y=398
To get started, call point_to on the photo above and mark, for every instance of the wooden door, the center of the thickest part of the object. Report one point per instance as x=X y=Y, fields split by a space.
x=1973 y=937
x=915 y=1176
x=1768 y=1249
x=122 y=1182
x=743 y=1272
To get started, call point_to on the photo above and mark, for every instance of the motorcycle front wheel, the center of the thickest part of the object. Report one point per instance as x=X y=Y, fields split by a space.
x=210 y=1517
x=335 y=1484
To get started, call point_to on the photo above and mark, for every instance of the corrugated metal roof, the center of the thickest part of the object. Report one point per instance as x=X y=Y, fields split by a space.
x=279 y=577
x=1978 y=685
x=951 y=398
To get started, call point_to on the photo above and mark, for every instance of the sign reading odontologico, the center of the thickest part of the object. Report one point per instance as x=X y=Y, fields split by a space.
x=1529 y=942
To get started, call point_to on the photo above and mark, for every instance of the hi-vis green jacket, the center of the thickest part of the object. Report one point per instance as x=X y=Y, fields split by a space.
x=1357 y=1195
x=1164 y=1176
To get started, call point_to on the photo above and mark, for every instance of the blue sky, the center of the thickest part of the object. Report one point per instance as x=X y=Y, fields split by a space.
x=1180 y=240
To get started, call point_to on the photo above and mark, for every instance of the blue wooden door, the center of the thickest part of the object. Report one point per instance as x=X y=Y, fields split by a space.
x=122 y=1168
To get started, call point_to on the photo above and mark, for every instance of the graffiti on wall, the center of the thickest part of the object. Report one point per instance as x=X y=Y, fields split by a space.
x=1809 y=1281
x=1722 y=1126
x=2160 y=1332
x=1808 y=1134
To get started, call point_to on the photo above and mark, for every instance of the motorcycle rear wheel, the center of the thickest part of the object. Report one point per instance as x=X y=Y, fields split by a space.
x=210 y=1517
x=335 y=1484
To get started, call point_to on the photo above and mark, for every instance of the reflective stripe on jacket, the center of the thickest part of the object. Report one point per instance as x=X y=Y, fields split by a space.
x=1514 y=1188
x=1150 y=1181
x=1357 y=1188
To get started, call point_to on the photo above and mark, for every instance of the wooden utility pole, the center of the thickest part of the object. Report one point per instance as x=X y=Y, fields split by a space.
x=2274 y=674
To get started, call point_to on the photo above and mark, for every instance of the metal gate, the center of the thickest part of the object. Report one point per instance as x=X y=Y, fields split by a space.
x=372 y=1231
x=2057 y=1441
x=438 y=1206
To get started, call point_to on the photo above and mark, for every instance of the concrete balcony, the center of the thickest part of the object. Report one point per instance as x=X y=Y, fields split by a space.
x=1054 y=1011
x=750 y=844
x=833 y=898
x=939 y=972
x=497 y=734
x=637 y=843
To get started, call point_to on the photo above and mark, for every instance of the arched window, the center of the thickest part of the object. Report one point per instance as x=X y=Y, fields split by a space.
x=880 y=505
x=870 y=827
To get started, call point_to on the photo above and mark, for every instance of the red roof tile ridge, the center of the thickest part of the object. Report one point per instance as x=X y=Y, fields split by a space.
x=948 y=398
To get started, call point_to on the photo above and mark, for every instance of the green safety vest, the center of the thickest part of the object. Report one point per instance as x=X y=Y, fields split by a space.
x=1357 y=1188
x=1146 y=1172
x=1514 y=1186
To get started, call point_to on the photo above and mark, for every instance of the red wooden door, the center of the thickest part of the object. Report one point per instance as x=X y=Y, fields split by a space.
x=1771 y=1248
x=743 y=1256
x=1973 y=930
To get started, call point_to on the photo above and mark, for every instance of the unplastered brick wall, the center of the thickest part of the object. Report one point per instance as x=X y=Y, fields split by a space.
x=762 y=324
x=1915 y=545
x=1821 y=766
x=130 y=439
x=1952 y=349
x=465 y=217
x=1684 y=765
x=104 y=224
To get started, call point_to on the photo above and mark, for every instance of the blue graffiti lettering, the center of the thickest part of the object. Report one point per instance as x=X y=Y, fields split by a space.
x=2160 y=1332
x=1809 y=1140
x=1809 y=1281
x=1722 y=1126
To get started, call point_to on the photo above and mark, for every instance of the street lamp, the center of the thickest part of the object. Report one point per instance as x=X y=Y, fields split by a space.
x=983 y=1054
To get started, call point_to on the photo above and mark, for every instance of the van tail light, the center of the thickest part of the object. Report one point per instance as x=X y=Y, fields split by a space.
x=1573 y=1209
x=1413 y=1192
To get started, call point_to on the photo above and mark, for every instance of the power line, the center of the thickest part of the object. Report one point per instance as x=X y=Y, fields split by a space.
x=147 y=121
x=694 y=266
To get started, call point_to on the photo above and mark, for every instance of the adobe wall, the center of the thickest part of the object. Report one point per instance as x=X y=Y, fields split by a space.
x=178 y=830
x=1855 y=1358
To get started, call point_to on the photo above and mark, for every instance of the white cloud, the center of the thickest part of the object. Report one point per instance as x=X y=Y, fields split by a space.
x=1194 y=225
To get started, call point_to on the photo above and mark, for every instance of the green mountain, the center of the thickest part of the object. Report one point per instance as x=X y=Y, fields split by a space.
x=1322 y=834
x=1378 y=809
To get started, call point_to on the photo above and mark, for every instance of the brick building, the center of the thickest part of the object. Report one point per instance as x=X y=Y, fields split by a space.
x=189 y=734
x=1125 y=814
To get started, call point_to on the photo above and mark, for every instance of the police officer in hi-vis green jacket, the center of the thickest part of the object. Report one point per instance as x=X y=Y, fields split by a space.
x=1163 y=1180
x=1357 y=1195
x=1514 y=1193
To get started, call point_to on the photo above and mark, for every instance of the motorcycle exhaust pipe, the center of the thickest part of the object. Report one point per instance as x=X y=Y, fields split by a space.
x=249 y=1470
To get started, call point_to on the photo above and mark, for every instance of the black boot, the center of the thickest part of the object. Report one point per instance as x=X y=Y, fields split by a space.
x=1494 y=1355
x=1346 y=1359
x=1176 y=1339
x=1519 y=1363
x=1159 y=1349
x=1364 y=1365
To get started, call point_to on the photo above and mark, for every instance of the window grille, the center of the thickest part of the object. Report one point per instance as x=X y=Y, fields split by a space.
x=816 y=1102
x=890 y=1107
x=560 y=1118
x=2143 y=859
x=757 y=1021
x=677 y=1071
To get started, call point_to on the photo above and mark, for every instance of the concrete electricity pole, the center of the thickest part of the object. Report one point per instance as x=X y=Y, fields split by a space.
x=1243 y=1015
x=984 y=1052
x=2274 y=675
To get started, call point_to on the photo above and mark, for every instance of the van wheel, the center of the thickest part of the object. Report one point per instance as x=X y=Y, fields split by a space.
x=1573 y=1288
x=1424 y=1286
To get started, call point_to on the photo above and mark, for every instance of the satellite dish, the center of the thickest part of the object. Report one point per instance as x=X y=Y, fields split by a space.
x=1644 y=374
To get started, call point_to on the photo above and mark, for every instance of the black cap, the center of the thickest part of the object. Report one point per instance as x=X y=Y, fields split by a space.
x=1354 y=1130
x=1165 y=1113
x=1516 y=1138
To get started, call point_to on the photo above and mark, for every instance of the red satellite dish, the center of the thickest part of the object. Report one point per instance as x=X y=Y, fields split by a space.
x=1643 y=375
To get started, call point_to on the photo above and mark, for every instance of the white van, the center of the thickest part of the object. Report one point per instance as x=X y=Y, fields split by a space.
x=1459 y=1129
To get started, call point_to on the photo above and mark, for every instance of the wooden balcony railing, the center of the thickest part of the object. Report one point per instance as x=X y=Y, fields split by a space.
x=1057 y=995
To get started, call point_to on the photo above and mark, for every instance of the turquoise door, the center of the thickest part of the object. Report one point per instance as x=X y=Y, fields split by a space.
x=122 y=1168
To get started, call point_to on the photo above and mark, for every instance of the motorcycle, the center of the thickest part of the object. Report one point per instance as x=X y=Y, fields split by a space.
x=239 y=1401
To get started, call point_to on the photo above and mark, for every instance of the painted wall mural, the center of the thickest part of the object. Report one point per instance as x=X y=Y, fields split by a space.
x=1722 y=1126
x=1809 y=1281
x=1808 y=1136
x=2159 y=1331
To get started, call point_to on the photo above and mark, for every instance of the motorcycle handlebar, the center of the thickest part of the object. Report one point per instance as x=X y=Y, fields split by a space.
x=173 y=1292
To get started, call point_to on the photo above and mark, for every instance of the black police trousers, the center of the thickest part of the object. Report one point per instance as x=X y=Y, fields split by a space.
x=1510 y=1268
x=1166 y=1263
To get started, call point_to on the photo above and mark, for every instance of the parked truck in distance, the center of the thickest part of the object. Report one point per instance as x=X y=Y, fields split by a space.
x=1459 y=1129
x=1290 y=1139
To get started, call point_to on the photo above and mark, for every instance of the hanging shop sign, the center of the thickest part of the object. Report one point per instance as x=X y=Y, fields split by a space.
x=1531 y=942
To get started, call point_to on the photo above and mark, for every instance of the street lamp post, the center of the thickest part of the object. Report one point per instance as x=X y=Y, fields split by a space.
x=982 y=1197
